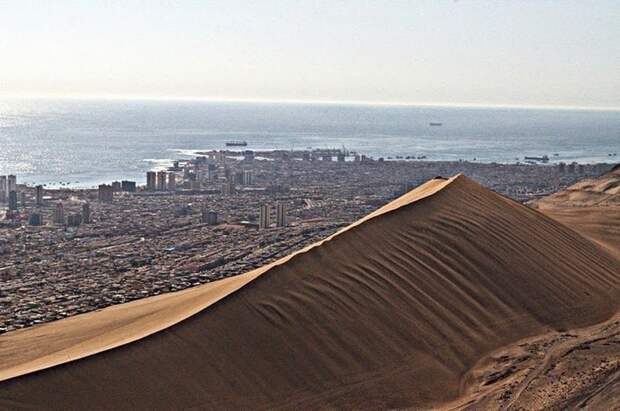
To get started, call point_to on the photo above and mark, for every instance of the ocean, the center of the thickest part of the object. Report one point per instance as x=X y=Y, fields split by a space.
x=81 y=143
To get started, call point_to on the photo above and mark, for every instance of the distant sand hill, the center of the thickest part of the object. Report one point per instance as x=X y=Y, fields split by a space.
x=391 y=312
x=591 y=206
x=600 y=191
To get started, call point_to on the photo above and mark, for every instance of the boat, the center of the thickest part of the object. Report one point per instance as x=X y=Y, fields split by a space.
x=544 y=158
x=435 y=124
x=237 y=143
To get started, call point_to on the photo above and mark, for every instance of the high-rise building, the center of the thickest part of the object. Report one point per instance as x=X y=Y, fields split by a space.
x=35 y=219
x=247 y=178
x=128 y=186
x=59 y=214
x=281 y=215
x=203 y=214
x=212 y=217
x=341 y=158
x=105 y=193
x=3 y=189
x=277 y=188
x=12 y=200
x=264 y=218
x=116 y=186
x=238 y=177
x=228 y=187
x=11 y=183
x=39 y=195
x=211 y=172
x=161 y=180
x=208 y=175
x=172 y=182
x=151 y=181
x=86 y=213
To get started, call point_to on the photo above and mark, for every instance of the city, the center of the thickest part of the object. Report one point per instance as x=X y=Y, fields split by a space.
x=66 y=252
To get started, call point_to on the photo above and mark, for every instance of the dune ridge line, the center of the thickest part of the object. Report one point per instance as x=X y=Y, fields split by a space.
x=206 y=295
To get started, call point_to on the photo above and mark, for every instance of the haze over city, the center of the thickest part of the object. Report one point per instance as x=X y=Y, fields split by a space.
x=540 y=53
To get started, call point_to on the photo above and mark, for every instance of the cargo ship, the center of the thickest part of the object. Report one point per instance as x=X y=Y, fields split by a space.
x=544 y=158
x=237 y=143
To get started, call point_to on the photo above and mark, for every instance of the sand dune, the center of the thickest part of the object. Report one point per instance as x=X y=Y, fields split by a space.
x=579 y=369
x=599 y=191
x=591 y=206
x=393 y=311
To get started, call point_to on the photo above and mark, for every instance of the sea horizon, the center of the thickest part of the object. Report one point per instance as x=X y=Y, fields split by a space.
x=82 y=142
x=327 y=102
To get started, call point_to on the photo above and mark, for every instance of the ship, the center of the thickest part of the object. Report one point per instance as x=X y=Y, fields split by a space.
x=237 y=143
x=544 y=158
x=432 y=124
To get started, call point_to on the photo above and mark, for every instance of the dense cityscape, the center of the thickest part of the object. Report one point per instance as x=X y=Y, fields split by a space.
x=70 y=251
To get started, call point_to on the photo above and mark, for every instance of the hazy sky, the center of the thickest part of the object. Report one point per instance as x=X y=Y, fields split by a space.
x=476 y=52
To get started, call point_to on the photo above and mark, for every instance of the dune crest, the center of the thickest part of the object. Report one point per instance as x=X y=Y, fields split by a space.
x=390 y=312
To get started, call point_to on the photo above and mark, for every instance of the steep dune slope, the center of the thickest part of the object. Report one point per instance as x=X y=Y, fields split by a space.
x=579 y=369
x=21 y=352
x=391 y=312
